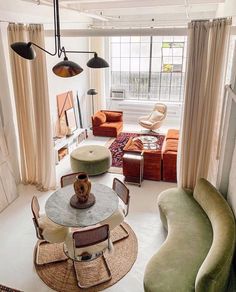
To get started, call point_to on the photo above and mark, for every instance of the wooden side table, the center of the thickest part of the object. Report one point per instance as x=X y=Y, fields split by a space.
x=133 y=163
x=152 y=161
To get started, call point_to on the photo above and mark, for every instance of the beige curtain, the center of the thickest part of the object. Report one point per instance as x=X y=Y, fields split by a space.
x=97 y=76
x=32 y=108
x=207 y=50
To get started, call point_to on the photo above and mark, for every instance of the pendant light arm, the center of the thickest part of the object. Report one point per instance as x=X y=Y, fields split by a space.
x=56 y=42
x=57 y=29
x=80 y=52
x=52 y=54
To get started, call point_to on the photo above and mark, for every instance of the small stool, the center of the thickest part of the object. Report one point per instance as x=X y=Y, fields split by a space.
x=133 y=167
x=92 y=159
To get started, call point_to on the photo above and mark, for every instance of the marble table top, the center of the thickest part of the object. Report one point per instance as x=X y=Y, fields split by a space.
x=59 y=210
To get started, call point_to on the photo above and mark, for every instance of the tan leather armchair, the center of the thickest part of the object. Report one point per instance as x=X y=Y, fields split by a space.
x=155 y=119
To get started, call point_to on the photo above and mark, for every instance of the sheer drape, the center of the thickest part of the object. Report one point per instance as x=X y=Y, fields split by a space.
x=97 y=76
x=207 y=50
x=32 y=108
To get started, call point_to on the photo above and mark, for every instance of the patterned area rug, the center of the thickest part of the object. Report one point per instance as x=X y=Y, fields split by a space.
x=118 y=145
x=7 y=289
x=60 y=276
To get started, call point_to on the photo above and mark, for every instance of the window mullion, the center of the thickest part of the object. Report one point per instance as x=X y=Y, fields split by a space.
x=150 y=68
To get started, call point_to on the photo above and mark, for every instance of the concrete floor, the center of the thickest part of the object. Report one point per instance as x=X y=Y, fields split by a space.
x=18 y=235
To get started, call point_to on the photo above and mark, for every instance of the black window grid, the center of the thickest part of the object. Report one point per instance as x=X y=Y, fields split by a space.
x=151 y=85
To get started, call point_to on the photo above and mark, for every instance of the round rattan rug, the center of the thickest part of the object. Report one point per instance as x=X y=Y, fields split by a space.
x=60 y=276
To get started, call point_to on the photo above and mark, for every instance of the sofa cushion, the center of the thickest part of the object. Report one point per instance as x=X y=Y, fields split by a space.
x=214 y=272
x=171 y=145
x=175 y=266
x=108 y=129
x=113 y=116
x=99 y=118
x=172 y=134
x=161 y=108
x=144 y=122
x=199 y=248
x=135 y=145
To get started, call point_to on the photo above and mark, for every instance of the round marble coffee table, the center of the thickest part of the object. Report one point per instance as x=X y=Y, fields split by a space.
x=59 y=210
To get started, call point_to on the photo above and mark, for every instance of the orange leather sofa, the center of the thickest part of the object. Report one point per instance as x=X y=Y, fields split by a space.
x=169 y=156
x=107 y=123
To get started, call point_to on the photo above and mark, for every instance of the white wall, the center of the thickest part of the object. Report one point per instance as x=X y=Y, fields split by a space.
x=7 y=102
x=78 y=83
x=228 y=8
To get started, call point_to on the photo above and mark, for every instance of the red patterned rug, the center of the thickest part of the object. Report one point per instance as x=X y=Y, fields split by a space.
x=117 y=146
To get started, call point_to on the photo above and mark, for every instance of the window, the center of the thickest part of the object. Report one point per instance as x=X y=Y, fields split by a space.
x=148 y=67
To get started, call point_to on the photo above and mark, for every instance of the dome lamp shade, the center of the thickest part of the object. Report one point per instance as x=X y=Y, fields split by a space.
x=97 y=62
x=67 y=68
x=24 y=50
x=92 y=91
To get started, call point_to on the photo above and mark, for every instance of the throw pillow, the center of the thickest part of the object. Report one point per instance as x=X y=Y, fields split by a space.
x=99 y=118
x=113 y=117
x=135 y=145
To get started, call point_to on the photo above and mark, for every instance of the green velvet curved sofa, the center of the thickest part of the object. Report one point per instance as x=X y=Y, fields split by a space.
x=198 y=251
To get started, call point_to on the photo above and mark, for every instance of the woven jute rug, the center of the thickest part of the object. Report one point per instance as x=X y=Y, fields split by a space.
x=60 y=276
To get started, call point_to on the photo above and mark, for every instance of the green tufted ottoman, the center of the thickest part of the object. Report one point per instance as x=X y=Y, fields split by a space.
x=92 y=159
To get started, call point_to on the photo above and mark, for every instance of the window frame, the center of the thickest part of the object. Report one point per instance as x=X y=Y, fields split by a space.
x=171 y=97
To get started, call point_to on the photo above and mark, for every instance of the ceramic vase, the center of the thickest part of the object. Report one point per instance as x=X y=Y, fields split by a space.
x=82 y=187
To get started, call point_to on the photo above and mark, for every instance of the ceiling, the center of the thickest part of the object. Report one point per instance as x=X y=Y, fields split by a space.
x=144 y=13
x=126 y=13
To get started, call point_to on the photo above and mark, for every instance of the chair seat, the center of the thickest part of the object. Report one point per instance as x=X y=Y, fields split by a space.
x=51 y=231
x=92 y=250
x=145 y=122
x=115 y=219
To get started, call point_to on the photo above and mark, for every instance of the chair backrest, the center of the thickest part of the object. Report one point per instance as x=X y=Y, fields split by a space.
x=68 y=179
x=162 y=108
x=122 y=191
x=35 y=210
x=93 y=236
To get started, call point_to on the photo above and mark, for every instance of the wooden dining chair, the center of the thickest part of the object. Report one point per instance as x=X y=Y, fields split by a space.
x=117 y=218
x=68 y=179
x=88 y=245
x=123 y=193
x=46 y=231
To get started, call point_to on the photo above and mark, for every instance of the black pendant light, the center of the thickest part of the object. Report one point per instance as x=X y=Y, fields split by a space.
x=64 y=68
x=97 y=62
x=67 y=68
x=25 y=50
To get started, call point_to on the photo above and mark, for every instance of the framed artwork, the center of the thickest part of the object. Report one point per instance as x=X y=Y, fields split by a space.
x=64 y=102
x=70 y=119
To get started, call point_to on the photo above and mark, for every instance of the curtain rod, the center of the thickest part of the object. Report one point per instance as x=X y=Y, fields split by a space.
x=118 y=32
x=65 y=22
x=178 y=31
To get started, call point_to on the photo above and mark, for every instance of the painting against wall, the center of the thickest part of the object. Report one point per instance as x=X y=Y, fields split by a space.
x=64 y=103
x=70 y=120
